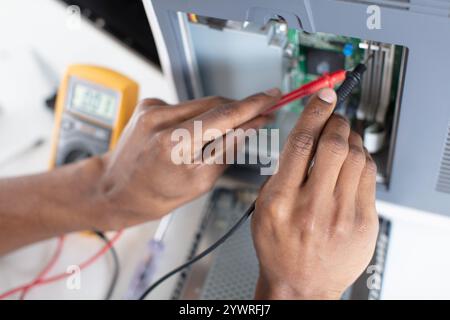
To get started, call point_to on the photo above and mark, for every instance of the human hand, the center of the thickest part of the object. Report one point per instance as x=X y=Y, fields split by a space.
x=315 y=229
x=140 y=180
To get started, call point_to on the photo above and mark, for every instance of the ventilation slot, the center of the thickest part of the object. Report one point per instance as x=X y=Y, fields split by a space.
x=430 y=7
x=443 y=184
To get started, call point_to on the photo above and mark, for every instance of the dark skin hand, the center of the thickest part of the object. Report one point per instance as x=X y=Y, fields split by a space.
x=135 y=183
x=315 y=228
x=314 y=232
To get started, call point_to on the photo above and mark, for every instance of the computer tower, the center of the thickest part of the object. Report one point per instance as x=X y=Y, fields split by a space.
x=236 y=48
x=221 y=46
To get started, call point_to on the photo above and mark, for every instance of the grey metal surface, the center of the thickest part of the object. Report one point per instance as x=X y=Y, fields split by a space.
x=79 y=137
x=234 y=271
x=231 y=271
x=229 y=60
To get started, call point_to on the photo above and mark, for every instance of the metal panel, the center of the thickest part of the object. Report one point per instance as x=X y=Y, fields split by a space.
x=231 y=271
x=431 y=7
x=443 y=183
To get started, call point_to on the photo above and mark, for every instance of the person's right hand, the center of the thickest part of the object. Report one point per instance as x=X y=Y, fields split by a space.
x=315 y=227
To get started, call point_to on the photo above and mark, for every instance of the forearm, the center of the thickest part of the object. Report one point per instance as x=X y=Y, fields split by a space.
x=42 y=206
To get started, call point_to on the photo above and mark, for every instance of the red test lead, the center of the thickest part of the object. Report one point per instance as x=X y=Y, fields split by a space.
x=327 y=80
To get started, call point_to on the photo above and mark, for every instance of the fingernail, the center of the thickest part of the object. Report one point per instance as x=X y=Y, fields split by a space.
x=328 y=95
x=274 y=92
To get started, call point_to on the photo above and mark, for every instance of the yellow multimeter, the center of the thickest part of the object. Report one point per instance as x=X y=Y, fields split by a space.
x=93 y=106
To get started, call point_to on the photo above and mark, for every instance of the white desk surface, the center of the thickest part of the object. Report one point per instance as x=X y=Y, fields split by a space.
x=418 y=259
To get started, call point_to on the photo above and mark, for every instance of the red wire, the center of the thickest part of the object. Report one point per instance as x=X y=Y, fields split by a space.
x=322 y=82
x=64 y=275
x=47 y=268
x=326 y=80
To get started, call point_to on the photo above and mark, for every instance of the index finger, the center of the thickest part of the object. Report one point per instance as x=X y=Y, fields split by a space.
x=175 y=115
x=301 y=143
x=232 y=115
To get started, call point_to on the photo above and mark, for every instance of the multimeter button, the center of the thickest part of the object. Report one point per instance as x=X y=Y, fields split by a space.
x=102 y=134
x=67 y=125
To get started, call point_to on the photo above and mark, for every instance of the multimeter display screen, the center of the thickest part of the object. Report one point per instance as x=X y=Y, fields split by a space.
x=94 y=102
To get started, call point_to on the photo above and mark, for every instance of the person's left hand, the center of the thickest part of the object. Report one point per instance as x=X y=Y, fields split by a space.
x=140 y=180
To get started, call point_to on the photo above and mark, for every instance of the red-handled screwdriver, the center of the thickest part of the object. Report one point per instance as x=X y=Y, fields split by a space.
x=327 y=80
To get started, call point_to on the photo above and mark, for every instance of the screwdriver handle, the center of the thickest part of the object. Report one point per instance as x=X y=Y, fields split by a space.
x=352 y=79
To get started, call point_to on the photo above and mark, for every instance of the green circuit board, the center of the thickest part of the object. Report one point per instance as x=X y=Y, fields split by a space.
x=315 y=54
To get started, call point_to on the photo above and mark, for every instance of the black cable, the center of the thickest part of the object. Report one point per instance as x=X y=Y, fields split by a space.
x=352 y=79
x=203 y=254
x=116 y=263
